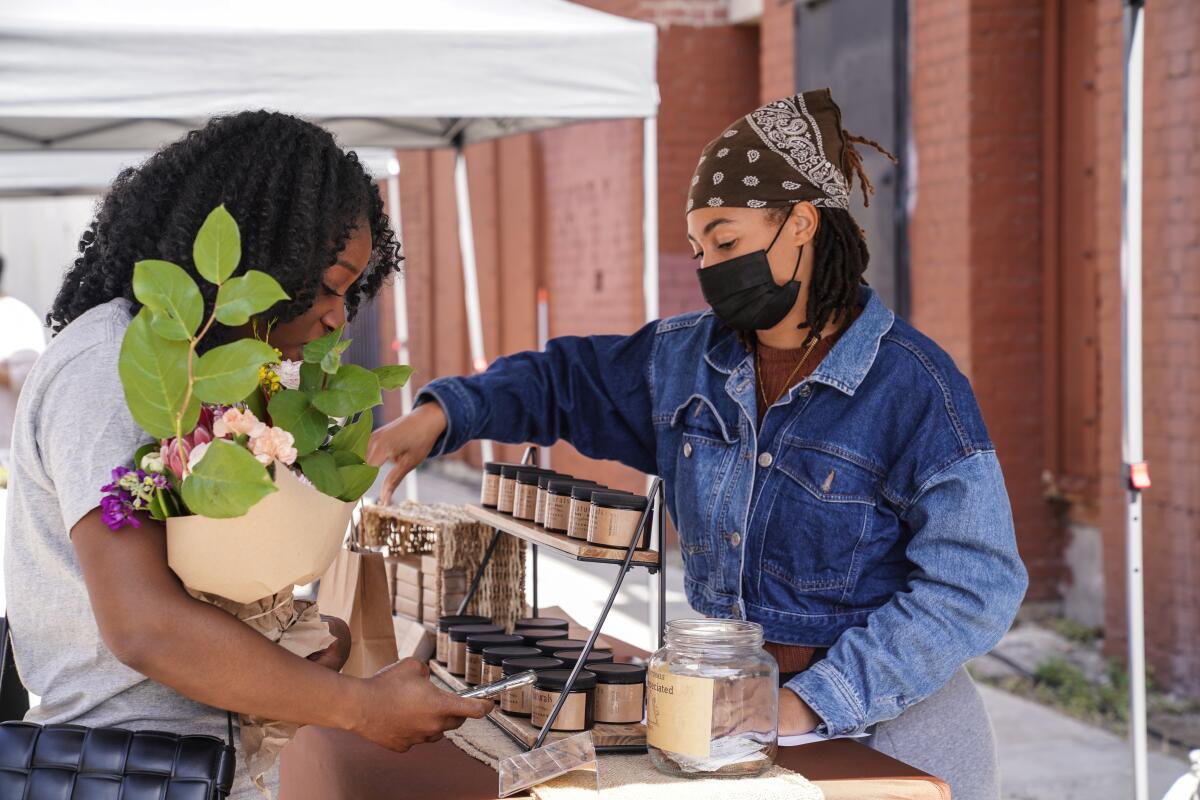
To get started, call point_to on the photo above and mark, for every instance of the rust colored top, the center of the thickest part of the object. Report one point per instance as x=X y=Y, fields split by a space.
x=773 y=366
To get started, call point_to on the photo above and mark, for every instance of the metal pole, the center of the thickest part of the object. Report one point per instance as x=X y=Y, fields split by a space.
x=466 y=243
x=654 y=621
x=1131 y=380
x=400 y=311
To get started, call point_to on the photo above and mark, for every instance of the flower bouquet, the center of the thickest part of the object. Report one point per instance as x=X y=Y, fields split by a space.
x=256 y=461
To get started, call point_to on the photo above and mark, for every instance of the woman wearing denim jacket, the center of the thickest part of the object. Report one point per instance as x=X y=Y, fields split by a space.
x=826 y=465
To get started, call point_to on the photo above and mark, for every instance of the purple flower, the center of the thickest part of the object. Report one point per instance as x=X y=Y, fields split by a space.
x=117 y=512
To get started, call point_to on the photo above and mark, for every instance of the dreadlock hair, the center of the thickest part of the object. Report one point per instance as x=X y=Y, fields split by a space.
x=295 y=194
x=840 y=254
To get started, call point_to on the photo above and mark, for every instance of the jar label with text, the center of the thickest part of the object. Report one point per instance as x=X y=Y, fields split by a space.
x=679 y=713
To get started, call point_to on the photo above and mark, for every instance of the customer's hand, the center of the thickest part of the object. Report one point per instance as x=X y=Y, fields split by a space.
x=405 y=442
x=795 y=715
x=401 y=708
x=335 y=656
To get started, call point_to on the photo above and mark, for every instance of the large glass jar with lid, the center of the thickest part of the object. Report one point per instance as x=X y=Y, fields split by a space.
x=712 y=700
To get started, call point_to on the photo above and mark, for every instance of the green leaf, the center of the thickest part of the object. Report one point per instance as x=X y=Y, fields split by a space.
x=246 y=295
x=344 y=458
x=294 y=412
x=356 y=480
x=315 y=350
x=256 y=401
x=218 y=246
x=332 y=361
x=228 y=373
x=351 y=390
x=312 y=378
x=354 y=437
x=173 y=297
x=227 y=482
x=393 y=376
x=153 y=373
x=322 y=470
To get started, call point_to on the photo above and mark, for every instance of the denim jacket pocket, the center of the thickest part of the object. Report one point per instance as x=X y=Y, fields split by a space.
x=705 y=449
x=820 y=521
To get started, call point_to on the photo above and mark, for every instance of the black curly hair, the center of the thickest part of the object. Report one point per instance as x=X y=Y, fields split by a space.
x=295 y=194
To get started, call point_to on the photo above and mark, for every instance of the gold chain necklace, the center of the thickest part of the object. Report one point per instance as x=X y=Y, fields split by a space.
x=763 y=389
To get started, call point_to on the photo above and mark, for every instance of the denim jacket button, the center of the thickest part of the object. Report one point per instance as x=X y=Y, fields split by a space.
x=687 y=449
x=805 y=390
x=765 y=460
x=735 y=611
x=735 y=538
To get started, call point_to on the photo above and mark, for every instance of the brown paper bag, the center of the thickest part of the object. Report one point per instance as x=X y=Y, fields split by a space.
x=413 y=640
x=355 y=588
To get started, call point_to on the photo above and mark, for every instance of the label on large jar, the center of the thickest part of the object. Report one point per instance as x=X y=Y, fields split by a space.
x=679 y=712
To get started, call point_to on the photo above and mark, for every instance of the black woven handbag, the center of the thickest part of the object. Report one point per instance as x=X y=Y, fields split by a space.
x=77 y=763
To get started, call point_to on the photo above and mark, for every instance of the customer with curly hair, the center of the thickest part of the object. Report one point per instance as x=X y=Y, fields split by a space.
x=103 y=630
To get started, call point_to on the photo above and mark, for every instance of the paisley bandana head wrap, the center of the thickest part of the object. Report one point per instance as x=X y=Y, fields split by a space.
x=787 y=152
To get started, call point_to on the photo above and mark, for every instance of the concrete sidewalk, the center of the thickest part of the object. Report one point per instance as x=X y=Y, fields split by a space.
x=1044 y=754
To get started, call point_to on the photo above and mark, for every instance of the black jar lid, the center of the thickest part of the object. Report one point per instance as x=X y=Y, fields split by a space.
x=596 y=648
x=570 y=657
x=619 y=500
x=511 y=666
x=450 y=620
x=459 y=633
x=563 y=486
x=509 y=471
x=534 y=635
x=494 y=467
x=556 y=679
x=544 y=480
x=477 y=643
x=498 y=655
x=618 y=673
x=553 y=623
x=548 y=646
x=584 y=491
x=529 y=476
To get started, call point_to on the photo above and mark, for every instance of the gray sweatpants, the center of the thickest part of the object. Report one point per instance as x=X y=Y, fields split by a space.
x=948 y=735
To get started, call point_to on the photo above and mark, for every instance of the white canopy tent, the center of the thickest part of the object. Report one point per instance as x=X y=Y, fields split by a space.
x=76 y=75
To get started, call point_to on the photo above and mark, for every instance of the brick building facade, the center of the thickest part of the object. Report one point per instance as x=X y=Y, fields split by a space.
x=1013 y=247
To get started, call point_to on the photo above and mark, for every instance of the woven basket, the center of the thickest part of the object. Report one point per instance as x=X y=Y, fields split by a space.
x=458 y=542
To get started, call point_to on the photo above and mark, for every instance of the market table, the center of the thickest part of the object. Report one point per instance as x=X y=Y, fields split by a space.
x=324 y=764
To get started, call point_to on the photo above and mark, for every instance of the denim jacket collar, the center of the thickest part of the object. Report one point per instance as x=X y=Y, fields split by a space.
x=847 y=363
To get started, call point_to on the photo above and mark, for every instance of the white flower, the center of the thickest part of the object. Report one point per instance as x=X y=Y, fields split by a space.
x=152 y=462
x=715 y=201
x=197 y=453
x=289 y=373
x=274 y=444
x=750 y=180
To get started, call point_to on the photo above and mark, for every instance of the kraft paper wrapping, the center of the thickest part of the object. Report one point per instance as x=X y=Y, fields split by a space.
x=289 y=537
x=294 y=625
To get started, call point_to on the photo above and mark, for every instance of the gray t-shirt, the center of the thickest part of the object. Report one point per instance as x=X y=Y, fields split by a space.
x=72 y=428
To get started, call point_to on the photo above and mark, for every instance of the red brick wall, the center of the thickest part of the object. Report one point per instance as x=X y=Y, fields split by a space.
x=976 y=248
x=1171 y=286
x=777 y=62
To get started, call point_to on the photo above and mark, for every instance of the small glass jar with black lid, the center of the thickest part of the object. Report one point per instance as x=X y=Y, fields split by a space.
x=517 y=701
x=525 y=493
x=476 y=644
x=614 y=517
x=570 y=657
x=577 y=713
x=456 y=662
x=444 y=624
x=556 y=516
x=549 y=646
x=620 y=692
x=489 y=492
x=493 y=659
x=507 y=491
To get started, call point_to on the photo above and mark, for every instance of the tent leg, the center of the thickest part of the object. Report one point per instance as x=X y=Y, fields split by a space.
x=1131 y=362
x=466 y=242
x=650 y=296
x=400 y=308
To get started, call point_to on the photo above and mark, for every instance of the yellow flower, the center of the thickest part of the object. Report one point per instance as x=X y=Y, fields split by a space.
x=269 y=380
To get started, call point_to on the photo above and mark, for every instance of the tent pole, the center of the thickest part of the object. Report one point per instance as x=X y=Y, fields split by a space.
x=400 y=311
x=1134 y=470
x=466 y=243
x=650 y=298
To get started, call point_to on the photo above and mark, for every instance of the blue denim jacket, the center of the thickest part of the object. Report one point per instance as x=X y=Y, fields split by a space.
x=868 y=514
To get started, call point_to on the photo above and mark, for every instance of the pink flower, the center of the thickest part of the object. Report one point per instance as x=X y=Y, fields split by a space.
x=235 y=422
x=274 y=444
x=201 y=434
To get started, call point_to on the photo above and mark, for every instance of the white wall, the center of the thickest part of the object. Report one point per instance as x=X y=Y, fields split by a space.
x=39 y=239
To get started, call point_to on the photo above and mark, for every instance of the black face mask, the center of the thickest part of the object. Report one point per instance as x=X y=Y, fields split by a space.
x=743 y=292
